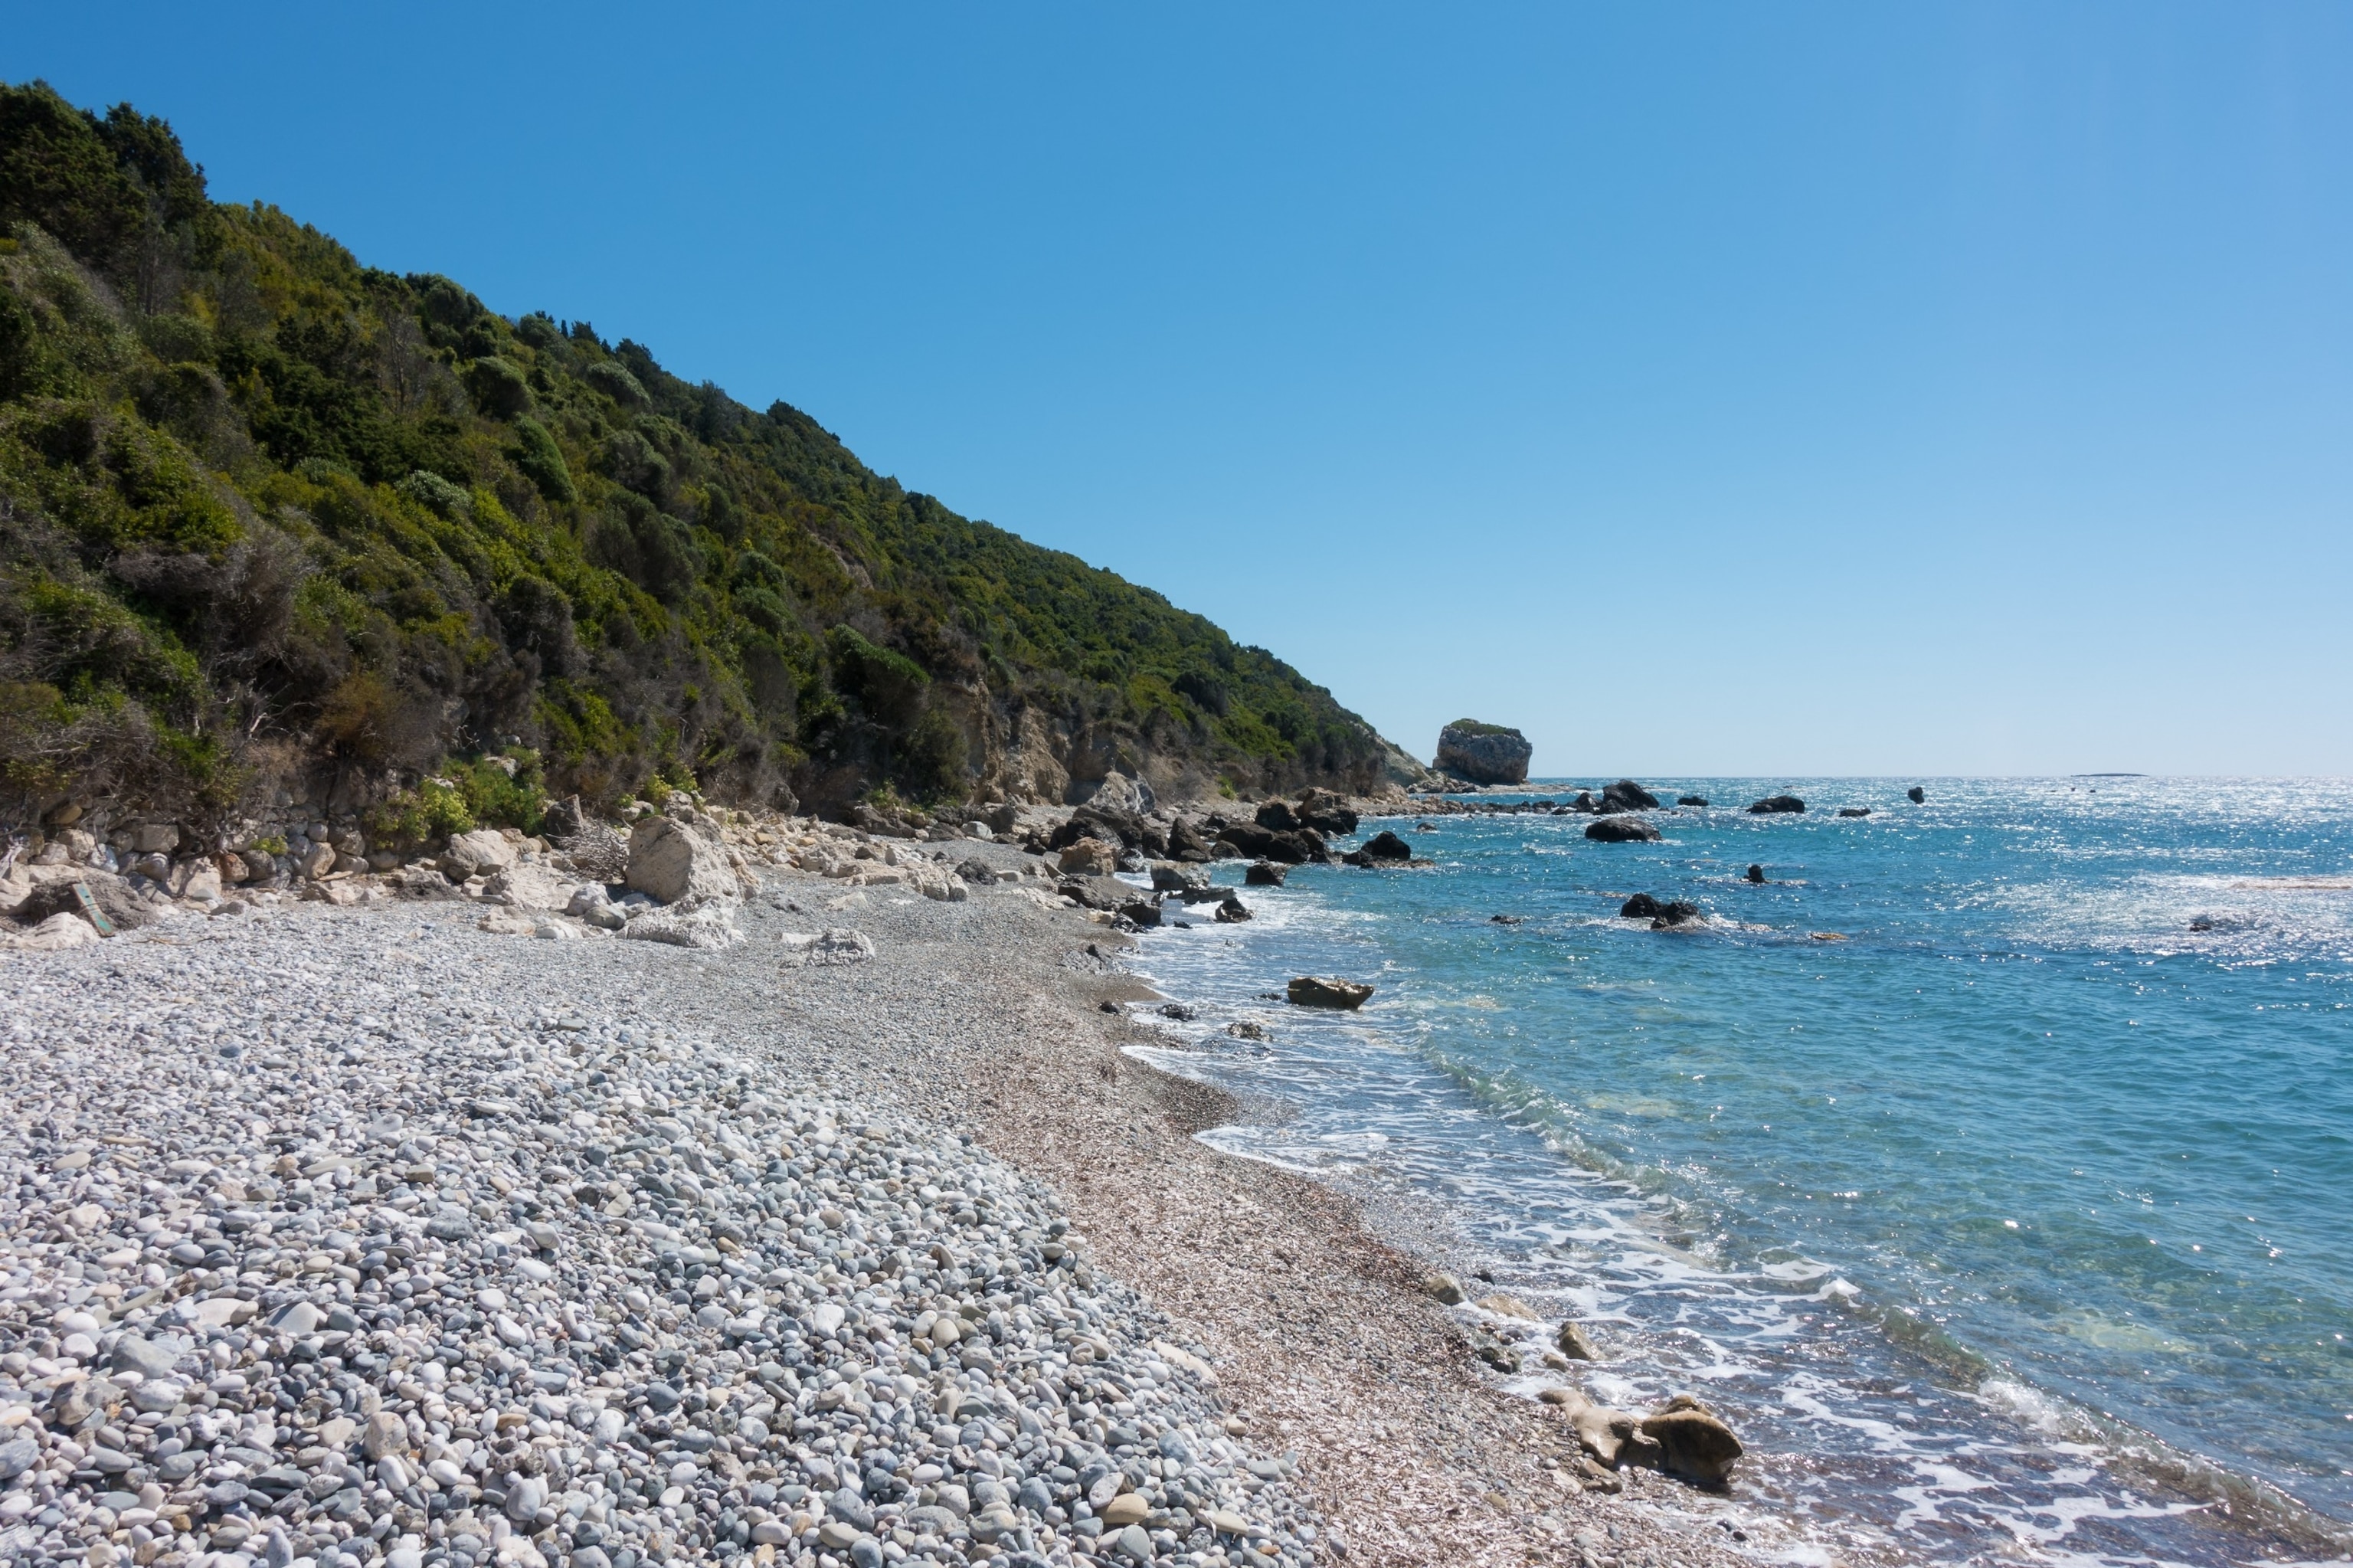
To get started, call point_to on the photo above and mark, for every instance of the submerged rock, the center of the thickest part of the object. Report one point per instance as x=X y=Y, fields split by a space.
x=1855 y=811
x=1691 y=799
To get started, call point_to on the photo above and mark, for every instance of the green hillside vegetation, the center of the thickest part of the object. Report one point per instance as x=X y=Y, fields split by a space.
x=264 y=510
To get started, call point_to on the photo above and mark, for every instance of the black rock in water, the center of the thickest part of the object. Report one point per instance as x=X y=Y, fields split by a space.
x=1691 y=799
x=1675 y=914
x=1641 y=907
x=1621 y=831
x=1776 y=805
x=1855 y=811
x=1757 y=874
x=1628 y=795
x=1915 y=795
x=1386 y=845
x=1263 y=874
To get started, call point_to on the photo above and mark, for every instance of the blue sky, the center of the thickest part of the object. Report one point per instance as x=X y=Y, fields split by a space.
x=1703 y=389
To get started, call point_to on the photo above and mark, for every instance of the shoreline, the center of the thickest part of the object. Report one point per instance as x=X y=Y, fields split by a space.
x=1318 y=1334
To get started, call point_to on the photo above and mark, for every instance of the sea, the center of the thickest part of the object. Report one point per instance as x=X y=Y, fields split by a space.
x=1989 y=1165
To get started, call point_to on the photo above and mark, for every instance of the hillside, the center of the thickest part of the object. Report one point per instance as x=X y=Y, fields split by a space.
x=267 y=513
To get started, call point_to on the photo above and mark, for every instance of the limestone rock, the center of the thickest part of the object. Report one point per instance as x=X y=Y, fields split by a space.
x=1576 y=1343
x=529 y=885
x=1089 y=857
x=668 y=863
x=1694 y=1445
x=1621 y=831
x=839 y=945
x=1483 y=753
x=1628 y=795
x=1326 y=811
x=1324 y=990
x=477 y=854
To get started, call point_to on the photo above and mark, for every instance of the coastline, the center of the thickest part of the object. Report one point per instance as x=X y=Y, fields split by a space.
x=1318 y=1334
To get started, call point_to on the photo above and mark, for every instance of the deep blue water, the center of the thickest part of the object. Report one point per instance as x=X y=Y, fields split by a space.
x=2017 y=1223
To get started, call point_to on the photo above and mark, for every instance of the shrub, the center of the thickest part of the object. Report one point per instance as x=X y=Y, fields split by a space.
x=497 y=800
x=498 y=387
x=541 y=462
x=433 y=810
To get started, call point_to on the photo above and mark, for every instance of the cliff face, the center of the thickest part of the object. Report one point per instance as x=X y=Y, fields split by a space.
x=1483 y=753
x=270 y=518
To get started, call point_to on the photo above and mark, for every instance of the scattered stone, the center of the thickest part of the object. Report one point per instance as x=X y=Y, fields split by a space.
x=1446 y=1288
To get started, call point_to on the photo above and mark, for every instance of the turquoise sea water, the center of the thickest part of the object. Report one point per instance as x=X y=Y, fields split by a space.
x=2018 y=1224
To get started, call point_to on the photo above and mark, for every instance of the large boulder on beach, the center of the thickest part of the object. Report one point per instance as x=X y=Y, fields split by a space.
x=670 y=861
x=1628 y=795
x=1105 y=893
x=1776 y=805
x=1275 y=816
x=1186 y=842
x=1323 y=991
x=1621 y=831
x=478 y=853
x=1483 y=753
x=1089 y=857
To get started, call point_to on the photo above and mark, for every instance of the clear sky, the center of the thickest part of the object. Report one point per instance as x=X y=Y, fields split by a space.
x=1706 y=388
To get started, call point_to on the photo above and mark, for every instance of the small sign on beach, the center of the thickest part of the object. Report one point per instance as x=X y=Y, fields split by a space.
x=89 y=907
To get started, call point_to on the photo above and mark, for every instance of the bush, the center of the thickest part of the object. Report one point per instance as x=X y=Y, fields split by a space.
x=616 y=383
x=499 y=388
x=500 y=801
x=433 y=810
x=541 y=462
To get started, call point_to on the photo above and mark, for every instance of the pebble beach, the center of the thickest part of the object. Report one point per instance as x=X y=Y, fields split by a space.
x=388 y=1232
